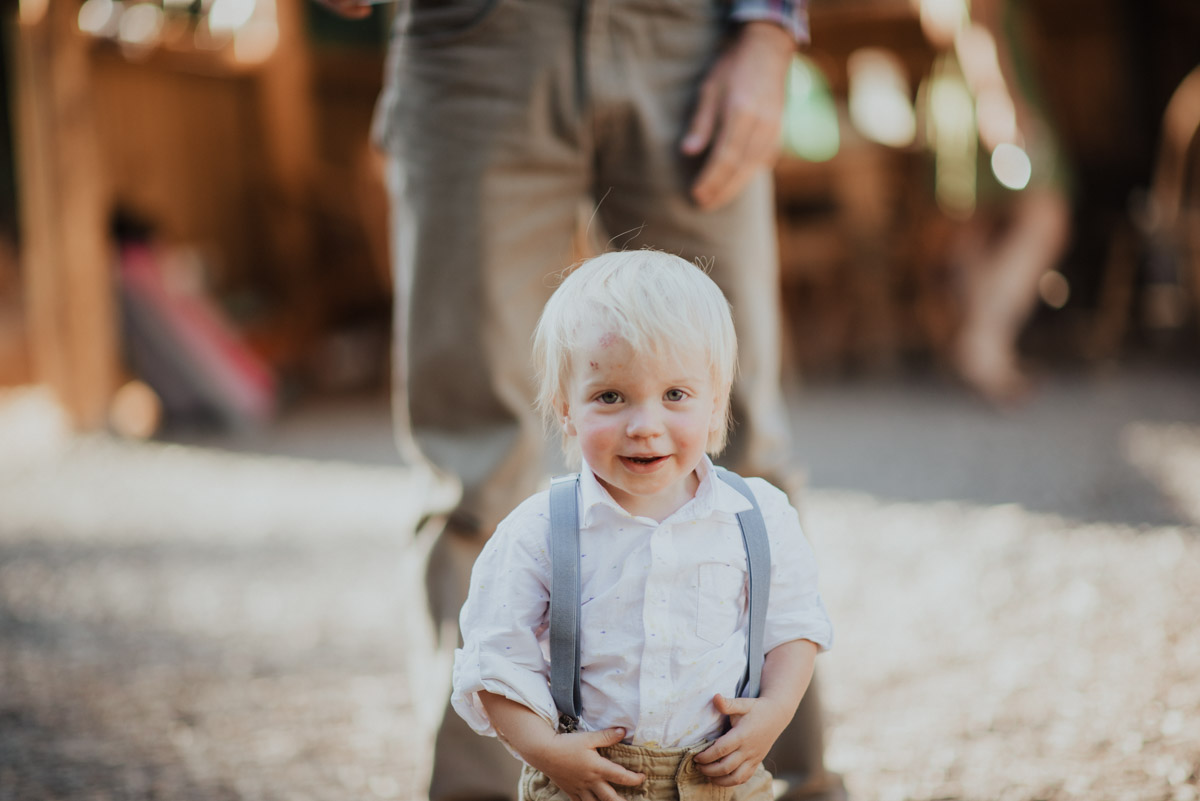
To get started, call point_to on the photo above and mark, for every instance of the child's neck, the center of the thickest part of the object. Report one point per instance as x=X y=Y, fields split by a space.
x=660 y=506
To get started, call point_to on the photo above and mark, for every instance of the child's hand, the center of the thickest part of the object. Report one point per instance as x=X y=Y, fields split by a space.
x=571 y=762
x=755 y=724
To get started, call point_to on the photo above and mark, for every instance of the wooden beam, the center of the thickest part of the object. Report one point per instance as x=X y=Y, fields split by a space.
x=64 y=207
x=288 y=120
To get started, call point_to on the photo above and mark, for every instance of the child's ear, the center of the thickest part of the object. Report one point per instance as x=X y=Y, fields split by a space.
x=720 y=404
x=564 y=414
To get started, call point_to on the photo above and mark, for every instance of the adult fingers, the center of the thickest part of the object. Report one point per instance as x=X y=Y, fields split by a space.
x=704 y=119
x=718 y=179
x=745 y=162
x=734 y=158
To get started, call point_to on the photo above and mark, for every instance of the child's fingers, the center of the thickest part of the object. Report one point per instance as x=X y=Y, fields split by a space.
x=622 y=776
x=604 y=738
x=601 y=792
x=611 y=771
x=739 y=776
x=723 y=747
x=733 y=706
x=722 y=767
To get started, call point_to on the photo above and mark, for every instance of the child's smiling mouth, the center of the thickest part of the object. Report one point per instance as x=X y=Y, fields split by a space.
x=642 y=461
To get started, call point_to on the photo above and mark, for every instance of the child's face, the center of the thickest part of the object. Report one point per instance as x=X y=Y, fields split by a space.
x=642 y=421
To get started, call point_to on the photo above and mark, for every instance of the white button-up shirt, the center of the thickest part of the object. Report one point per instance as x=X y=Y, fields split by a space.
x=664 y=616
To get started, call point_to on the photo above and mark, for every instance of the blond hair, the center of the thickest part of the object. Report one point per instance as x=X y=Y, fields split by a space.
x=661 y=304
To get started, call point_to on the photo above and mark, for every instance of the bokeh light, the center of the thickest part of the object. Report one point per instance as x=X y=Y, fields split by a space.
x=100 y=17
x=227 y=16
x=256 y=41
x=810 y=122
x=1011 y=166
x=951 y=129
x=1053 y=289
x=880 y=105
x=942 y=19
x=141 y=25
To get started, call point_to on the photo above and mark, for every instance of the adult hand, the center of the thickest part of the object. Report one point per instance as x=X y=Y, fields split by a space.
x=740 y=111
x=350 y=9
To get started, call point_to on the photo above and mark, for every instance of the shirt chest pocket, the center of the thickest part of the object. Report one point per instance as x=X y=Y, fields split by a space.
x=720 y=596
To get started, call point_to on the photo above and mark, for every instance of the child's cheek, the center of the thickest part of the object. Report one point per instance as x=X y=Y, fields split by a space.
x=599 y=438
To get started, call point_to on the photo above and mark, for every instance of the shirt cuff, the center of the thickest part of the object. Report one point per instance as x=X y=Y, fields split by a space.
x=473 y=675
x=810 y=624
x=791 y=16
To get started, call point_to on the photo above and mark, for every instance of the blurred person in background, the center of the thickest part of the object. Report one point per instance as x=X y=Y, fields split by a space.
x=499 y=118
x=1019 y=210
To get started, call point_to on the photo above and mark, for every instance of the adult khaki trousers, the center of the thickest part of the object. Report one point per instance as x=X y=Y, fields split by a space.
x=502 y=117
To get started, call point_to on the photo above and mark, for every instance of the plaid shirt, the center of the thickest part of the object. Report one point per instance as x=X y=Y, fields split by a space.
x=791 y=14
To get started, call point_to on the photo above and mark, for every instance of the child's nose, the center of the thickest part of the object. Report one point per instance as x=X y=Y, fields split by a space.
x=644 y=421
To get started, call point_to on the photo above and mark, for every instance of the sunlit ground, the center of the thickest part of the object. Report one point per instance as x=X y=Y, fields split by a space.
x=1015 y=599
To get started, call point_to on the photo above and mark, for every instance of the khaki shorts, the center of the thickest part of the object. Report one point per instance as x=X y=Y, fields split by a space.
x=671 y=775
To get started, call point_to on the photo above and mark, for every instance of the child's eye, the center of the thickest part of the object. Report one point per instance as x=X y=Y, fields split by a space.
x=608 y=397
x=675 y=395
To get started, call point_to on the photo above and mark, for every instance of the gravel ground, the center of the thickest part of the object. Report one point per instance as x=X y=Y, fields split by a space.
x=1015 y=599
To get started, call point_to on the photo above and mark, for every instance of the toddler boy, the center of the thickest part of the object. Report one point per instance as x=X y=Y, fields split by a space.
x=636 y=355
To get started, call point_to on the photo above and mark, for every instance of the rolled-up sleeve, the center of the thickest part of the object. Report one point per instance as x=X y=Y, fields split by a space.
x=795 y=610
x=792 y=15
x=504 y=621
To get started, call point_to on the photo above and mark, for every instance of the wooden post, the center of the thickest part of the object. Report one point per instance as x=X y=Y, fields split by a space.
x=288 y=119
x=64 y=206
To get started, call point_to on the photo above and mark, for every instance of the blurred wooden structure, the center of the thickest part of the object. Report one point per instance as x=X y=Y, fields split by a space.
x=70 y=312
x=866 y=268
x=265 y=167
x=858 y=234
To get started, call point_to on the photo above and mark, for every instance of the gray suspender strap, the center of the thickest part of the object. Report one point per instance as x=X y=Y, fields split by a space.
x=565 y=592
x=564 y=599
x=758 y=563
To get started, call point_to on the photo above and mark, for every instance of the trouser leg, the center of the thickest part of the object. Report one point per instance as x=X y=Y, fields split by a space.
x=486 y=175
x=644 y=80
x=466 y=766
x=642 y=109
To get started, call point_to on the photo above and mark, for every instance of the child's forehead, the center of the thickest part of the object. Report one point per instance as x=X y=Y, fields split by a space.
x=673 y=353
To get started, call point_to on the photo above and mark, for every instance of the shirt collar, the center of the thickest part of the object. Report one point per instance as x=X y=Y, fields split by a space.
x=712 y=495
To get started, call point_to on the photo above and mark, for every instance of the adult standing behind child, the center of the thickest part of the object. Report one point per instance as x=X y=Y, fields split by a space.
x=636 y=354
x=499 y=117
